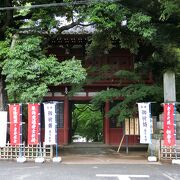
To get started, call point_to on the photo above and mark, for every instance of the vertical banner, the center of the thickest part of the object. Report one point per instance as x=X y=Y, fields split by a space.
x=50 y=124
x=169 y=138
x=3 y=128
x=33 y=123
x=14 y=116
x=144 y=120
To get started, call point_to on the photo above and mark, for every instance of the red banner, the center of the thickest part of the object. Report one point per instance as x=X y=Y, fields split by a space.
x=169 y=138
x=14 y=116
x=33 y=123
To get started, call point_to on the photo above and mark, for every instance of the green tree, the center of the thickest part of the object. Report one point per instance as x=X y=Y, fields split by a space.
x=152 y=34
x=152 y=31
x=28 y=72
x=87 y=122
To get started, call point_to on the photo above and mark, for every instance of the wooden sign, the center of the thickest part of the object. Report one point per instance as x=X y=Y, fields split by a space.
x=127 y=126
x=131 y=126
x=136 y=126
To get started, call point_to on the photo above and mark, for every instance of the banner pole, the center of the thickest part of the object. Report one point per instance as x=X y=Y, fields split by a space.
x=40 y=158
x=39 y=126
x=151 y=130
x=56 y=131
x=175 y=129
x=20 y=150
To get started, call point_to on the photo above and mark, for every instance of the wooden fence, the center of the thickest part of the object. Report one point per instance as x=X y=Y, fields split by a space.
x=169 y=153
x=30 y=151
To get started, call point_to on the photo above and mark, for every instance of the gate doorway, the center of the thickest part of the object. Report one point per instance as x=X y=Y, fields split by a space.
x=86 y=123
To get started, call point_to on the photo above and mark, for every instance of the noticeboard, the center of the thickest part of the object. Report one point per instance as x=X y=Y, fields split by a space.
x=131 y=126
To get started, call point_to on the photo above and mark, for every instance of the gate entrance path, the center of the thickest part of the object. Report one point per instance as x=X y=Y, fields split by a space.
x=99 y=153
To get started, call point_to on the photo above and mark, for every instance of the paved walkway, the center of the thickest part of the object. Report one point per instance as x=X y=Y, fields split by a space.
x=93 y=153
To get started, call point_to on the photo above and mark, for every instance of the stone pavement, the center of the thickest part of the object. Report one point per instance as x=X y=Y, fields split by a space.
x=95 y=153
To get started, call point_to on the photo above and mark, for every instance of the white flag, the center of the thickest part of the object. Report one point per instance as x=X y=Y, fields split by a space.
x=50 y=124
x=145 y=122
x=3 y=128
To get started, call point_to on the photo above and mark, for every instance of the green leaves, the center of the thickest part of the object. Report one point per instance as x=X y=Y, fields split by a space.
x=131 y=94
x=29 y=72
x=168 y=8
x=87 y=122
x=72 y=72
x=140 y=23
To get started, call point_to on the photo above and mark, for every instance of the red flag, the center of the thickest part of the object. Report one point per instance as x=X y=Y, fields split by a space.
x=14 y=116
x=169 y=138
x=33 y=123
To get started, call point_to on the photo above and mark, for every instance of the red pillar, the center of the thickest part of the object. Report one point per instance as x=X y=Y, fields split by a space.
x=66 y=120
x=106 y=123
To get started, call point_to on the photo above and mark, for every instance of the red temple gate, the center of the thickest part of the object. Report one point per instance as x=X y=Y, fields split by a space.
x=66 y=47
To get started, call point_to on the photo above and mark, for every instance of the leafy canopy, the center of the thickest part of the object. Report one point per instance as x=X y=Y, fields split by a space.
x=87 y=122
x=29 y=72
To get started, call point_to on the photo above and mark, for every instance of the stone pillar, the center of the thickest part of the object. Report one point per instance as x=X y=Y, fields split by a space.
x=169 y=87
x=170 y=96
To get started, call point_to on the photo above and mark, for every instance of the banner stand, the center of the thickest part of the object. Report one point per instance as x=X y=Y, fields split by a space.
x=175 y=161
x=40 y=158
x=146 y=127
x=3 y=128
x=56 y=159
x=151 y=158
x=21 y=158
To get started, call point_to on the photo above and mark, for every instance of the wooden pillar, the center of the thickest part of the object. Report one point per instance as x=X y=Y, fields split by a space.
x=66 y=120
x=106 y=123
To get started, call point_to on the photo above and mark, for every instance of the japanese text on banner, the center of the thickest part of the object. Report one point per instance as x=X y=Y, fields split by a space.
x=169 y=138
x=144 y=120
x=50 y=124
x=14 y=116
x=33 y=123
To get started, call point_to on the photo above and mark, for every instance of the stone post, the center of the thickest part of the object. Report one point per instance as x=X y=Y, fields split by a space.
x=169 y=87
x=170 y=97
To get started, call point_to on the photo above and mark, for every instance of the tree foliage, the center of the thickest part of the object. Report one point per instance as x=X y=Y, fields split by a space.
x=87 y=122
x=29 y=72
x=133 y=93
x=152 y=34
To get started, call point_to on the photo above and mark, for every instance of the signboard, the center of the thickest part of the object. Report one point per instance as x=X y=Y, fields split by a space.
x=131 y=126
x=33 y=123
x=145 y=122
x=127 y=126
x=169 y=138
x=3 y=128
x=50 y=124
x=14 y=116
x=136 y=126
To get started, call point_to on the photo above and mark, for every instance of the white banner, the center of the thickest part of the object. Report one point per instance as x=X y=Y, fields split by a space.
x=50 y=124
x=3 y=128
x=145 y=122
